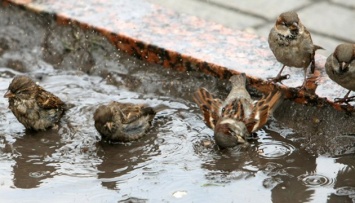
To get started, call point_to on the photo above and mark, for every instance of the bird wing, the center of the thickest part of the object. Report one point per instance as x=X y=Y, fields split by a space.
x=48 y=100
x=305 y=42
x=129 y=112
x=209 y=106
x=262 y=110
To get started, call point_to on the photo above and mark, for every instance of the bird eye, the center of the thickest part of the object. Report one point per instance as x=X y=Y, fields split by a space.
x=231 y=132
x=23 y=92
x=223 y=109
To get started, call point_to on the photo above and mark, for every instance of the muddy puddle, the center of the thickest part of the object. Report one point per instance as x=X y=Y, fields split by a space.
x=176 y=161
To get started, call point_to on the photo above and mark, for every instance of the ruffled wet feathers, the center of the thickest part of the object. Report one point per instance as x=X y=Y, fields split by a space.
x=238 y=116
x=123 y=122
x=34 y=107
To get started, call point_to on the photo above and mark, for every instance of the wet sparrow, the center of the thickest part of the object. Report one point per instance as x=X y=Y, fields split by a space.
x=33 y=106
x=340 y=67
x=292 y=45
x=238 y=116
x=124 y=122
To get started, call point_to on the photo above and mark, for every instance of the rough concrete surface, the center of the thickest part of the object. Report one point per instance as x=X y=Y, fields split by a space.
x=328 y=21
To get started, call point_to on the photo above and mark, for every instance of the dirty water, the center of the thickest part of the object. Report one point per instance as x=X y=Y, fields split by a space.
x=176 y=161
x=173 y=162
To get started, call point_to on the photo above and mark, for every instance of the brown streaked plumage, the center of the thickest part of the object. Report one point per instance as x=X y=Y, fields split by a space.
x=340 y=67
x=34 y=107
x=292 y=45
x=124 y=122
x=209 y=106
x=238 y=116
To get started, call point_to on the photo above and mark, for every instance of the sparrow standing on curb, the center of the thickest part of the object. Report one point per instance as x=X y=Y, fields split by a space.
x=34 y=107
x=124 y=122
x=340 y=67
x=238 y=116
x=292 y=45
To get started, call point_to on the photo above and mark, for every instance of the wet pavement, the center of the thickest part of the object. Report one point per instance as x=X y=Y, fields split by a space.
x=323 y=18
x=304 y=154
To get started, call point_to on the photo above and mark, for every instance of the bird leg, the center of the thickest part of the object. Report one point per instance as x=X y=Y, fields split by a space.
x=303 y=86
x=279 y=78
x=346 y=99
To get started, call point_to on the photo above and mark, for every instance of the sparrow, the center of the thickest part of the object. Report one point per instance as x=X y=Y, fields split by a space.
x=124 y=122
x=340 y=67
x=238 y=116
x=34 y=107
x=292 y=45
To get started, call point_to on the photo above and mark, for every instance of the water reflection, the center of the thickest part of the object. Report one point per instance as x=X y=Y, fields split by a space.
x=121 y=159
x=304 y=177
x=344 y=183
x=284 y=166
x=278 y=158
x=32 y=149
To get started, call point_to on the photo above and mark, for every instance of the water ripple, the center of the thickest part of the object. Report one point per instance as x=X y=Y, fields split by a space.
x=315 y=180
x=39 y=174
x=345 y=191
x=275 y=150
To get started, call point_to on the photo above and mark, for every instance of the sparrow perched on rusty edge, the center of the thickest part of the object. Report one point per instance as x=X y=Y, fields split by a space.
x=124 y=122
x=234 y=119
x=340 y=67
x=292 y=45
x=34 y=107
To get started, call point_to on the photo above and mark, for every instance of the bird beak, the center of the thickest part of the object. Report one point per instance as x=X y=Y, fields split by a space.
x=240 y=139
x=9 y=94
x=294 y=26
x=344 y=67
x=109 y=126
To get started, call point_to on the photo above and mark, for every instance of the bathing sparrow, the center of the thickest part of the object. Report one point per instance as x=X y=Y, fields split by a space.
x=124 y=122
x=34 y=107
x=340 y=67
x=234 y=119
x=292 y=45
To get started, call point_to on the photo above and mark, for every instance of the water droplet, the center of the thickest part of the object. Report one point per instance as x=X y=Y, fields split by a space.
x=38 y=174
x=179 y=194
x=43 y=140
